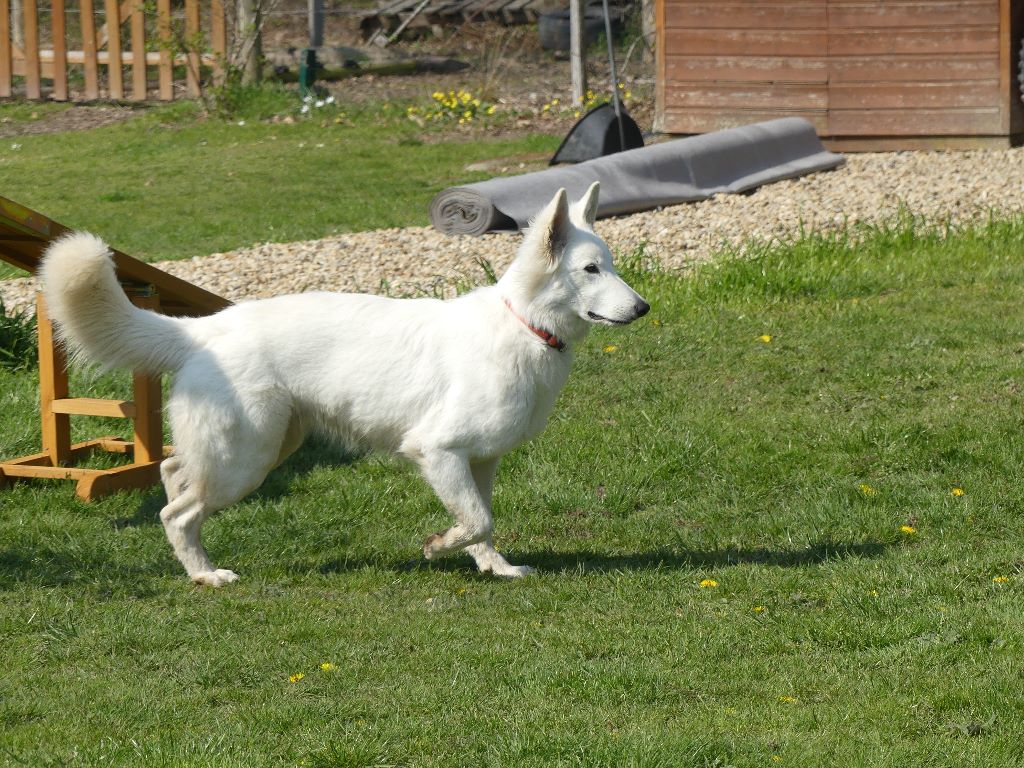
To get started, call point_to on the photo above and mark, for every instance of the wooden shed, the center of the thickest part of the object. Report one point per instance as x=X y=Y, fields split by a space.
x=868 y=74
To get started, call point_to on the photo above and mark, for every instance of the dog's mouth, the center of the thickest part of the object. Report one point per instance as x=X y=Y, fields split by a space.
x=602 y=319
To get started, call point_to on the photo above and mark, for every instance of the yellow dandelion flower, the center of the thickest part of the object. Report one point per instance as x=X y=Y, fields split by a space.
x=758 y=609
x=490 y=109
x=708 y=583
x=611 y=348
x=866 y=490
x=327 y=667
x=554 y=102
x=957 y=492
x=1001 y=579
x=296 y=677
x=908 y=529
x=765 y=337
x=628 y=95
x=873 y=593
x=787 y=699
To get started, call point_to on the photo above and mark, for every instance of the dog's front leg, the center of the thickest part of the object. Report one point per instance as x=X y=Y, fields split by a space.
x=465 y=491
x=486 y=556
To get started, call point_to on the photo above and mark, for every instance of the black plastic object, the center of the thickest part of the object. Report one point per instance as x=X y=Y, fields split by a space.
x=553 y=29
x=597 y=134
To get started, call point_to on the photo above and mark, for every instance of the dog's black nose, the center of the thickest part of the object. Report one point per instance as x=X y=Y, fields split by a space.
x=642 y=308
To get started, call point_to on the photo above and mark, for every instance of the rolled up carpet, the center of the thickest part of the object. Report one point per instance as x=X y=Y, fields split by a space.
x=677 y=171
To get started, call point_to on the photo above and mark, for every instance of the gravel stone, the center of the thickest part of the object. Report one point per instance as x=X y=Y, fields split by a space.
x=953 y=187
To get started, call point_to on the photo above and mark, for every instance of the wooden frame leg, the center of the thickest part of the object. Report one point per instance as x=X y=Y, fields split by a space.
x=53 y=385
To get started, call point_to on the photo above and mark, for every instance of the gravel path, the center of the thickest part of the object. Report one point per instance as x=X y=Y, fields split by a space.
x=959 y=187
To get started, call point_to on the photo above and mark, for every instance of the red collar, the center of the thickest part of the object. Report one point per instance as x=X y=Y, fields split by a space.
x=546 y=336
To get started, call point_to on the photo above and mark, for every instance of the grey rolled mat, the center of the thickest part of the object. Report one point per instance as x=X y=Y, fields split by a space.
x=677 y=171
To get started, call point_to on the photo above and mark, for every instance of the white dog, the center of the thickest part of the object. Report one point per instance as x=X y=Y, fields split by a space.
x=450 y=385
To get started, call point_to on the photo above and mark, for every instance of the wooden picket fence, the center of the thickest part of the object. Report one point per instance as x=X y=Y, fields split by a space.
x=101 y=45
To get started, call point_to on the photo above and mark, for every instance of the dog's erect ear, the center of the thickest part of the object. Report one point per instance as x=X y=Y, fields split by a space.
x=553 y=226
x=587 y=206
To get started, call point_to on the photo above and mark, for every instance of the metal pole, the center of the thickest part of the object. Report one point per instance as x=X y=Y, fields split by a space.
x=316 y=23
x=614 y=76
x=577 y=65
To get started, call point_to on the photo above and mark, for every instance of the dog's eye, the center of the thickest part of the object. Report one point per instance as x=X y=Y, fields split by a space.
x=591 y=268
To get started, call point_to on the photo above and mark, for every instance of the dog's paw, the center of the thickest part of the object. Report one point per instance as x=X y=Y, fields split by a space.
x=217 y=578
x=432 y=546
x=511 y=571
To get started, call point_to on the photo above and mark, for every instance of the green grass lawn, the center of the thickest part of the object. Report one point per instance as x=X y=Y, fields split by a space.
x=170 y=184
x=744 y=513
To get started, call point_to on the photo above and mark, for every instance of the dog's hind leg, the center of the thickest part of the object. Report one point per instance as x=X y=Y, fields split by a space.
x=484 y=554
x=182 y=519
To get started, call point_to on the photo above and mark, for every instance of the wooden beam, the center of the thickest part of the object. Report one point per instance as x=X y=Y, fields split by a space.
x=95 y=406
x=53 y=385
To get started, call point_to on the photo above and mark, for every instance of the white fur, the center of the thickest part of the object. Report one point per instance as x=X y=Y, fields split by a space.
x=450 y=385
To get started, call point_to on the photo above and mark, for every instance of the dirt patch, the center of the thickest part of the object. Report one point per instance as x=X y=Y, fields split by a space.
x=75 y=117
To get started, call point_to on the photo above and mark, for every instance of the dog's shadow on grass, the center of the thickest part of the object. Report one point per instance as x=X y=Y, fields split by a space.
x=584 y=561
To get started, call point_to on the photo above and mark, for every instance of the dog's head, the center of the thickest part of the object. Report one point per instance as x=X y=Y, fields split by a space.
x=565 y=270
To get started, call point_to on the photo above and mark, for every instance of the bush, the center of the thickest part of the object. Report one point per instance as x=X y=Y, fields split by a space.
x=18 y=347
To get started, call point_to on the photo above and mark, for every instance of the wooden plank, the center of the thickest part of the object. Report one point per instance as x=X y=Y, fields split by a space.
x=39 y=472
x=53 y=385
x=138 y=53
x=954 y=42
x=166 y=71
x=94 y=486
x=732 y=15
x=6 y=58
x=92 y=88
x=912 y=69
x=115 y=76
x=25 y=234
x=741 y=69
x=59 y=66
x=218 y=41
x=192 y=73
x=914 y=122
x=688 y=121
x=729 y=96
x=660 y=69
x=890 y=15
x=30 y=17
x=976 y=93
x=747 y=42
x=93 y=406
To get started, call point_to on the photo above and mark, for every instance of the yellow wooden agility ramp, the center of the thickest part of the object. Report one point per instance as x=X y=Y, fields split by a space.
x=24 y=237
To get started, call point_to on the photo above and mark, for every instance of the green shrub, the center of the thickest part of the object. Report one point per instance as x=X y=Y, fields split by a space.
x=18 y=348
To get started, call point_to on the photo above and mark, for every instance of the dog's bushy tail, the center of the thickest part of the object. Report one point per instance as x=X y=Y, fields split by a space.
x=94 y=318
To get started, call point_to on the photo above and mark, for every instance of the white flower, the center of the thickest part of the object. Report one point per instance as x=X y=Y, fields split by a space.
x=241 y=122
x=319 y=103
x=305 y=108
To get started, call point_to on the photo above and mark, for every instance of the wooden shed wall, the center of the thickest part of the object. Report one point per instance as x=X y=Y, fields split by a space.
x=866 y=73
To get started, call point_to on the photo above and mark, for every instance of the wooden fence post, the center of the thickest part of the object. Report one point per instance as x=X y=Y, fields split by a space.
x=33 y=84
x=6 y=60
x=115 y=79
x=60 y=50
x=92 y=84
x=138 y=53
x=163 y=25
